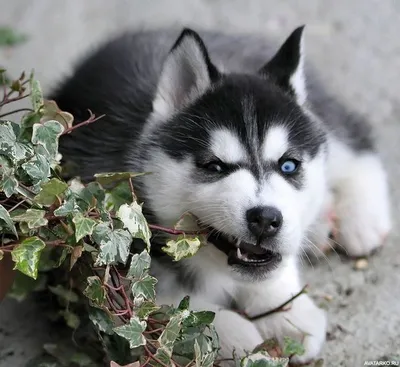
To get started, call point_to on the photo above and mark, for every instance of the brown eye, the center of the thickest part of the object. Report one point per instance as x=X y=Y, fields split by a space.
x=216 y=167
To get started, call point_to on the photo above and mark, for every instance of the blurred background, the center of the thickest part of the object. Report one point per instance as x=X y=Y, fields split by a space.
x=355 y=47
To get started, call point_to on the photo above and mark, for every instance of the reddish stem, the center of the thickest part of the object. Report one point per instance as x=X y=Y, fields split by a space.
x=90 y=120
x=173 y=231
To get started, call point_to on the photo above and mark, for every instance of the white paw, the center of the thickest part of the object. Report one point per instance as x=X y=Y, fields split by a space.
x=303 y=321
x=235 y=334
x=363 y=207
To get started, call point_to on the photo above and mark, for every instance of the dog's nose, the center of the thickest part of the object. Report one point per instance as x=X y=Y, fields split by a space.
x=264 y=221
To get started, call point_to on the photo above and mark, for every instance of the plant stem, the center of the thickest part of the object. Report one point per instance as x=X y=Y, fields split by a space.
x=279 y=308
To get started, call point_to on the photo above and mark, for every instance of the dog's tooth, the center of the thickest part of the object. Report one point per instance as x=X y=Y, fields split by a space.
x=238 y=253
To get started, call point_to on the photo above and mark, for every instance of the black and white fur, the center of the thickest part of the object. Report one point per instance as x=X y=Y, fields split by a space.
x=214 y=117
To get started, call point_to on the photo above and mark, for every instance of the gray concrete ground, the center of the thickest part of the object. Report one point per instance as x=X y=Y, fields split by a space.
x=355 y=44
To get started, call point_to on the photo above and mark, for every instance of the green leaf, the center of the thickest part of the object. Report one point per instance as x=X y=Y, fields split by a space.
x=133 y=219
x=36 y=94
x=263 y=359
x=26 y=256
x=83 y=226
x=101 y=320
x=23 y=286
x=71 y=319
x=114 y=244
x=108 y=178
x=184 y=303
x=145 y=287
x=183 y=247
x=292 y=347
x=33 y=217
x=163 y=356
x=64 y=293
x=5 y=217
x=145 y=309
x=200 y=318
x=47 y=135
x=50 y=191
x=133 y=332
x=119 y=195
x=9 y=146
x=10 y=37
x=140 y=263
x=95 y=291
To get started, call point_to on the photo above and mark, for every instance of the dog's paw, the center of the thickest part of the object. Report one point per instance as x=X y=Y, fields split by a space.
x=318 y=240
x=302 y=321
x=363 y=208
x=236 y=334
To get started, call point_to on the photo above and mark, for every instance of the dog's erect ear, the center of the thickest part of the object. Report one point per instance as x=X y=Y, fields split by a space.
x=186 y=74
x=286 y=67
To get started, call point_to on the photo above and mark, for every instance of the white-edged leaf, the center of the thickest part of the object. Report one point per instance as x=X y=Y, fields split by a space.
x=133 y=332
x=140 y=263
x=26 y=256
x=5 y=217
x=133 y=219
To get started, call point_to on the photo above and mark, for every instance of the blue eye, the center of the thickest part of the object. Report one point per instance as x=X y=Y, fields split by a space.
x=289 y=166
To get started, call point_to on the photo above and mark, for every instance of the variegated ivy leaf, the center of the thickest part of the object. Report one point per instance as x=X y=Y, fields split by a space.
x=34 y=218
x=140 y=263
x=5 y=217
x=69 y=207
x=133 y=332
x=38 y=168
x=50 y=191
x=9 y=144
x=292 y=347
x=263 y=359
x=171 y=332
x=95 y=291
x=182 y=247
x=47 y=135
x=133 y=219
x=114 y=244
x=144 y=287
x=83 y=226
x=102 y=320
x=36 y=94
x=108 y=178
x=26 y=256
x=8 y=182
x=145 y=309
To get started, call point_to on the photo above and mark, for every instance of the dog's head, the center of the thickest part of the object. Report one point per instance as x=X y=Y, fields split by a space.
x=239 y=151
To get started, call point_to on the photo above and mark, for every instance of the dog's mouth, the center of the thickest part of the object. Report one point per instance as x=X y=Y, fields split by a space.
x=243 y=253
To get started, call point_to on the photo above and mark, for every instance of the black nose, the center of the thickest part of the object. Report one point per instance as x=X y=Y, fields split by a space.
x=264 y=221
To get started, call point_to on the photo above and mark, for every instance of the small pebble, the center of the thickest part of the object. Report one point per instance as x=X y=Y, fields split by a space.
x=361 y=264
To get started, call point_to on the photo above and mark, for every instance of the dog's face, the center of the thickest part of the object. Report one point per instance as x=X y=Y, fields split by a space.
x=240 y=152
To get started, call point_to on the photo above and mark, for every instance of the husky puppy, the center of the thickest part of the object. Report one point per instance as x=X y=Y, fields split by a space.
x=236 y=132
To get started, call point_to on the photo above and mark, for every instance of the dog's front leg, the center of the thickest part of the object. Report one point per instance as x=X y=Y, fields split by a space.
x=301 y=320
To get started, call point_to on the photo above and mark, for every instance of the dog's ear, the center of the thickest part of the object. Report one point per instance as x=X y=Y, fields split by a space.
x=186 y=74
x=286 y=67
